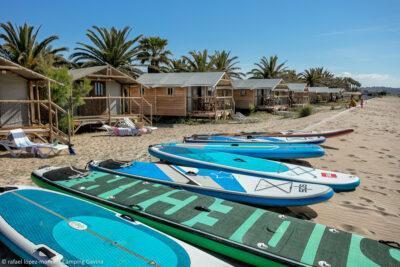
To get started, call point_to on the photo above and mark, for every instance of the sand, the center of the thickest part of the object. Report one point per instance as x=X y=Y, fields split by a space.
x=372 y=152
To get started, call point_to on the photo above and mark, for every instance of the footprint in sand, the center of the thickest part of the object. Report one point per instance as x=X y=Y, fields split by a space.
x=342 y=139
x=379 y=208
x=352 y=228
x=367 y=199
x=363 y=147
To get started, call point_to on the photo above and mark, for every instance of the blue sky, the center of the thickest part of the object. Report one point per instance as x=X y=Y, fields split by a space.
x=356 y=38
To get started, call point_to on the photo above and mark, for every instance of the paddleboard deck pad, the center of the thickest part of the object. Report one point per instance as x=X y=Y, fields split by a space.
x=252 y=235
x=253 y=166
x=259 y=150
x=254 y=139
x=226 y=185
x=49 y=228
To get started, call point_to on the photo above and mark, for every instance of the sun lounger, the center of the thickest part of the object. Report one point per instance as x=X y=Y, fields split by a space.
x=127 y=128
x=131 y=124
x=120 y=131
x=17 y=142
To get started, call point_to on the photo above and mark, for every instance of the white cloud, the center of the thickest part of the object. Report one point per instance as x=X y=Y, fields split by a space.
x=373 y=79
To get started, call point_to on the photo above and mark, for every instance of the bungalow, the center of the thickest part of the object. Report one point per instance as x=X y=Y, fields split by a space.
x=260 y=93
x=324 y=94
x=299 y=94
x=108 y=101
x=25 y=102
x=195 y=94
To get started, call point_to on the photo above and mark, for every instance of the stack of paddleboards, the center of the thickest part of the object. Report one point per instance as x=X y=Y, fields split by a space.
x=67 y=228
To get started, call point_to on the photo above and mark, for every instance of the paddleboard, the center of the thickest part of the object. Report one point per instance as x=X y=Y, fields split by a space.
x=253 y=166
x=254 y=139
x=252 y=235
x=289 y=133
x=259 y=150
x=54 y=229
x=230 y=186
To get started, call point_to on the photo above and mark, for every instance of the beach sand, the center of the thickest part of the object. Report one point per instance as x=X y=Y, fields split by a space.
x=372 y=152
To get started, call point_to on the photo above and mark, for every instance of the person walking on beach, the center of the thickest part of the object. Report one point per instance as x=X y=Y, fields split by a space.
x=353 y=103
x=361 y=101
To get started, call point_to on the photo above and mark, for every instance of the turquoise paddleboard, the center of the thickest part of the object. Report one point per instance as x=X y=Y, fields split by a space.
x=199 y=158
x=53 y=229
x=259 y=150
x=231 y=186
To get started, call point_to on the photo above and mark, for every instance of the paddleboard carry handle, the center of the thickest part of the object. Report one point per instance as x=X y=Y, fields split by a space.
x=127 y=217
x=202 y=208
x=49 y=254
x=239 y=160
x=234 y=144
x=7 y=188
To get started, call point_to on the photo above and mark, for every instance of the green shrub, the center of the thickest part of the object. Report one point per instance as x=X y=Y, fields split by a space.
x=305 y=111
x=252 y=108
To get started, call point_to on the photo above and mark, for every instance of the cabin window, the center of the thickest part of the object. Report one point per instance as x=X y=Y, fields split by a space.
x=170 y=91
x=98 y=89
x=141 y=91
x=242 y=92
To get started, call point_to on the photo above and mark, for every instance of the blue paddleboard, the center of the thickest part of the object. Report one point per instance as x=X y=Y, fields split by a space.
x=259 y=150
x=226 y=185
x=254 y=139
x=200 y=158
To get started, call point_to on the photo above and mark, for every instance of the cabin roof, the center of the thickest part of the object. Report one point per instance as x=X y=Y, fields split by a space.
x=322 y=90
x=104 y=72
x=26 y=73
x=256 y=84
x=297 y=87
x=181 y=79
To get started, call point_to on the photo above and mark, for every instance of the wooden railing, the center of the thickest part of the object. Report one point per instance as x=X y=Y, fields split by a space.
x=111 y=106
x=212 y=103
x=43 y=113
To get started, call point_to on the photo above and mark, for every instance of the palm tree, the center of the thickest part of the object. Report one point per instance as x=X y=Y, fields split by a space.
x=153 y=51
x=267 y=68
x=199 y=61
x=176 y=65
x=223 y=62
x=290 y=76
x=311 y=76
x=21 y=45
x=109 y=46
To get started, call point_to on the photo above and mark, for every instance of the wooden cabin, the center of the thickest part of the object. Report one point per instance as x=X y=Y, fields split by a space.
x=194 y=94
x=298 y=93
x=109 y=100
x=25 y=102
x=261 y=94
x=347 y=95
x=324 y=94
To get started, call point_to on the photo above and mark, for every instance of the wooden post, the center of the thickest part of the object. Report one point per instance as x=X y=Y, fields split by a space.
x=123 y=99
x=109 y=109
x=69 y=126
x=32 y=105
x=50 y=115
x=38 y=103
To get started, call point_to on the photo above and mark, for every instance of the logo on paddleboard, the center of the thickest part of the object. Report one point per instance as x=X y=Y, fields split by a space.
x=264 y=184
x=328 y=175
x=77 y=225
